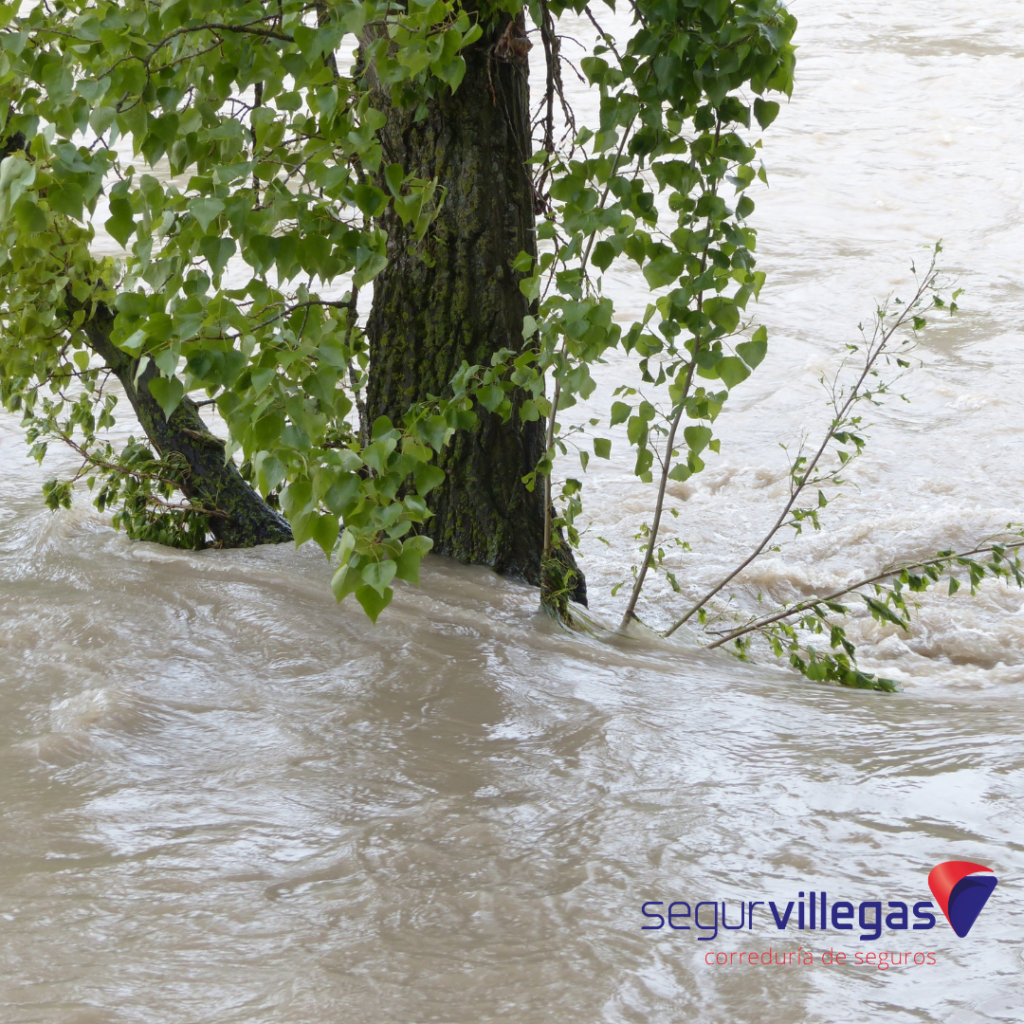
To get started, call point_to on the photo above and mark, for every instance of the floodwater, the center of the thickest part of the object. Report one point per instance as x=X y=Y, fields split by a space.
x=225 y=799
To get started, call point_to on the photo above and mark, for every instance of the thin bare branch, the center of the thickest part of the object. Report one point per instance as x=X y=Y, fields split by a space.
x=855 y=393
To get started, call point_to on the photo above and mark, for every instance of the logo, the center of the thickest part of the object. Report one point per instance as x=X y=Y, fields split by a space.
x=960 y=893
x=960 y=888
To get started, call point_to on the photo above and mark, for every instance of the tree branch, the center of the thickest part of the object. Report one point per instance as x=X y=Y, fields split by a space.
x=853 y=397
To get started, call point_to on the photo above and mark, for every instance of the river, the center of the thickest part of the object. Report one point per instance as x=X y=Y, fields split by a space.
x=226 y=799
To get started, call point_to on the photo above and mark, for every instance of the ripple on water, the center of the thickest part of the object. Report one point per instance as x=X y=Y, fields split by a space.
x=227 y=799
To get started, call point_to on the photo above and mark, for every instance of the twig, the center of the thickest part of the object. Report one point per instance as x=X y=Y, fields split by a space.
x=667 y=462
x=605 y=37
x=849 y=589
x=853 y=397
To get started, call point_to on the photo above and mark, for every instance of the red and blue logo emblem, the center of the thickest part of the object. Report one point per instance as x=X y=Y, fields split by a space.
x=961 y=892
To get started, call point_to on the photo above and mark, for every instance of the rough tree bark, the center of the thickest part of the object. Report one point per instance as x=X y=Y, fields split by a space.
x=211 y=481
x=466 y=303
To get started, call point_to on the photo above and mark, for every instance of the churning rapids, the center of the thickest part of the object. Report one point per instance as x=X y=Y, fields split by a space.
x=226 y=799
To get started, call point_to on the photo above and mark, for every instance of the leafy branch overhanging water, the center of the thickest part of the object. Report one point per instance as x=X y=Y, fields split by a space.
x=295 y=146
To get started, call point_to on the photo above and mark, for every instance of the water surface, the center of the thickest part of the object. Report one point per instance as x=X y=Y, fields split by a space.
x=226 y=799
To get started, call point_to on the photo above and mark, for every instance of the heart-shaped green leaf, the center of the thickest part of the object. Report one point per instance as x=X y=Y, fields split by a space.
x=168 y=391
x=372 y=602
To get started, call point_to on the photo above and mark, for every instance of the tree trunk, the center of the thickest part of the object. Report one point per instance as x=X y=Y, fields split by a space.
x=465 y=305
x=211 y=481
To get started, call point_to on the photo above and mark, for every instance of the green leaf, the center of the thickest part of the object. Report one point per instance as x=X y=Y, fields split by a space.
x=66 y=199
x=664 y=269
x=373 y=603
x=723 y=312
x=325 y=532
x=29 y=216
x=419 y=452
x=343 y=494
x=302 y=527
x=418 y=543
x=206 y=211
x=408 y=562
x=409 y=567
x=377 y=454
x=101 y=118
x=345 y=581
x=168 y=391
x=433 y=430
x=394 y=175
x=602 y=448
x=732 y=370
x=379 y=574
x=16 y=175
x=134 y=342
x=267 y=431
x=882 y=612
x=272 y=473
x=132 y=304
x=636 y=430
x=121 y=225
x=620 y=413
x=490 y=397
x=697 y=438
x=369 y=199
x=765 y=111
x=753 y=352
x=374 y=264
x=427 y=478
x=604 y=254
x=217 y=252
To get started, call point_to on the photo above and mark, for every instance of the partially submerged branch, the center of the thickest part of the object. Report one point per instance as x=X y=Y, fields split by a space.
x=917 y=576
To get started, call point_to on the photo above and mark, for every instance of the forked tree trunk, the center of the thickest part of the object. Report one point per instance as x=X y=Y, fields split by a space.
x=464 y=303
x=210 y=481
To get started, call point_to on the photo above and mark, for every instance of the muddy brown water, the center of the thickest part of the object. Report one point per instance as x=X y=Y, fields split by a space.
x=225 y=799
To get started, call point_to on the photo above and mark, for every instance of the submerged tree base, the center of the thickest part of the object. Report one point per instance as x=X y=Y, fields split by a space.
x=455 y=298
